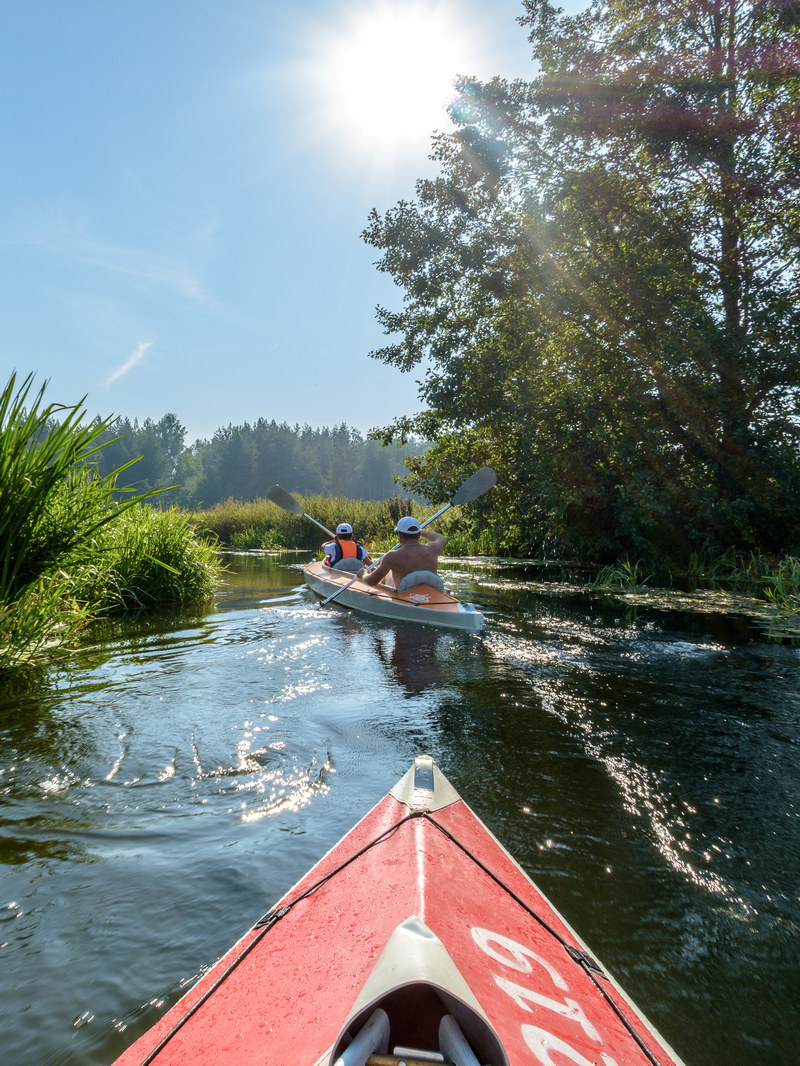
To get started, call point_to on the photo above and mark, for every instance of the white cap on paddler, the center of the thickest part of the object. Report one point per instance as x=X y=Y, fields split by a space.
x=408 y=525
x=344 y=527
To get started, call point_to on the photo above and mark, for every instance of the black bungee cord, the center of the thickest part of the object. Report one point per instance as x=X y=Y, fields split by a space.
x=275 y=914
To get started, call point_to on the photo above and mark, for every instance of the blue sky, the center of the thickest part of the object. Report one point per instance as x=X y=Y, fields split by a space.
x=184 y=187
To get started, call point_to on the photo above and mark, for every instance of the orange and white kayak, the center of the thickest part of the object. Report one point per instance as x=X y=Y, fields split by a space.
x=417 y=939
x=420 y=604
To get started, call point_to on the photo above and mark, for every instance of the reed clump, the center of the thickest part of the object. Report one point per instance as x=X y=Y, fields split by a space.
x=623 y=575
x=148 y=559
x=70 y=548
x=776 y=580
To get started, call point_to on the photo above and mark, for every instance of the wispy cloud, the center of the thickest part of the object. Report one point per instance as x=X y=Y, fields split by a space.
x=70 y=239
x=129 y=363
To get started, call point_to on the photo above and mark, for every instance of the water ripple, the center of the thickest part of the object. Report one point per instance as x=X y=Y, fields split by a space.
x=163 y=788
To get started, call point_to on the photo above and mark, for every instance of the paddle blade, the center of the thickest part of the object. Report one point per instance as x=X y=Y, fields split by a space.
x=284 y=499
x=481 y=481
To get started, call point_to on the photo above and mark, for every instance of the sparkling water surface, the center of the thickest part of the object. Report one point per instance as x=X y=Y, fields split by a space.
x=160 y=789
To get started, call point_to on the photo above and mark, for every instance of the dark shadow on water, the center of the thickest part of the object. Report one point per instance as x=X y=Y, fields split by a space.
x=409 y=654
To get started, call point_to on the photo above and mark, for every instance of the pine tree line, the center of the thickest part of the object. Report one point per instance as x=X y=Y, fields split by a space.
x=241 y=462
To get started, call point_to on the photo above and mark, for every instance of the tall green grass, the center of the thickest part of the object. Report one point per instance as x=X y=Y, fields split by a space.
x=147 y=559
x=262 y=524
x=624 y=575
x=49 y=501
x=68 y=549
x=783 y=588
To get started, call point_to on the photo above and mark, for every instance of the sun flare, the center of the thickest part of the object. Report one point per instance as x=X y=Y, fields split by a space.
x=387 y=75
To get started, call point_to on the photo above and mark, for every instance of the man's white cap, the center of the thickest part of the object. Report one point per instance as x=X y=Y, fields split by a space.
x=344 y=527
x=407 y=525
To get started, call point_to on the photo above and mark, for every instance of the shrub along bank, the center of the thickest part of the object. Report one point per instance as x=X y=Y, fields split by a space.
x=69 y=551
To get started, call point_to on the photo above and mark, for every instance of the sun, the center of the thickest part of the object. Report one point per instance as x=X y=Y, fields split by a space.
x=385 y=77
x=394 y=73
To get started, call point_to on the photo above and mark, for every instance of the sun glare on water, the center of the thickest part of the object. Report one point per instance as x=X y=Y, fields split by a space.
x=386 y=75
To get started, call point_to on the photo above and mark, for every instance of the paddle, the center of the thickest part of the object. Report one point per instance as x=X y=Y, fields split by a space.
x=285 y=500
x=480 y=482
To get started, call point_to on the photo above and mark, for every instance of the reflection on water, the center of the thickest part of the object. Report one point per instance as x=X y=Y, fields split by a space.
x=409 y=654
x=161 y=789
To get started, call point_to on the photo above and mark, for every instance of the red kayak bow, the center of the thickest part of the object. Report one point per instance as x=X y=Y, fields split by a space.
x=417 y=939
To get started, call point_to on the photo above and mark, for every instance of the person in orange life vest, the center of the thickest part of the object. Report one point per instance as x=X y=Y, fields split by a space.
x=345 y=553
x=412 y=563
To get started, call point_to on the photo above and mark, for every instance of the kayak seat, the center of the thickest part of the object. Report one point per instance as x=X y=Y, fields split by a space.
x=453 y=1047
x=454 y=1050
x=411 y=1026
x=421 y=577
x=350 y=566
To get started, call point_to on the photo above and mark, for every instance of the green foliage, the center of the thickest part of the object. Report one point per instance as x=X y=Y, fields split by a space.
x=239 y=461
x=775 y=580
x=43 y=614
x=623 y=575
x=603 y=281
x=731 y=569
x=156 y=449
x=784 y=586
x=51 y=501
x=462 y=542
x=69 y=548
x=262 y=524
x=249 y=538
x=146 y=559
x=783 y=593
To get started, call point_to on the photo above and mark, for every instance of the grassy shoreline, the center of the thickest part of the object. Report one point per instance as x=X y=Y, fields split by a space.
x=144 y=561
x=70 y=550
x=261 y=524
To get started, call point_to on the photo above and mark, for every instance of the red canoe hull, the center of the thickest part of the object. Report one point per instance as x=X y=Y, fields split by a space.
x=284 y=993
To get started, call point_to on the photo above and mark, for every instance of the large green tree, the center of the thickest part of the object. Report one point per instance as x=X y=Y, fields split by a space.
x=603 y=282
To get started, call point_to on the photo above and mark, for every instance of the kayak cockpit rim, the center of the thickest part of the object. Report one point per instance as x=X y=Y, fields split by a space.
x=416 y=1000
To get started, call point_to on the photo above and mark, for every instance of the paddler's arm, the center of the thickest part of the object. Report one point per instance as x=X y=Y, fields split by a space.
x=380 y=571
x=437 y=540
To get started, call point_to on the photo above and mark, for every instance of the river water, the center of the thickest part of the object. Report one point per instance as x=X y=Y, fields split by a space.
x=162 y=787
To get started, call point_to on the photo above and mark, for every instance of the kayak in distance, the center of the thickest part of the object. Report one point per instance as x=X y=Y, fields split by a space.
x=416 y=939
x=420 y=604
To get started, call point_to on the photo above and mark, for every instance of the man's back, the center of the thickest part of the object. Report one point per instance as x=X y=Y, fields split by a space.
x=413 y=556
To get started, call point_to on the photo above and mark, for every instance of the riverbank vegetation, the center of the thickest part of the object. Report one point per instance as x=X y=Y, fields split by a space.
x=261 y=524
x=604 y=281
x=71 y=550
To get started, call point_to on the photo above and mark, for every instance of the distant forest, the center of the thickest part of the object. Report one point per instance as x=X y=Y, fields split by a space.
x=242 y=462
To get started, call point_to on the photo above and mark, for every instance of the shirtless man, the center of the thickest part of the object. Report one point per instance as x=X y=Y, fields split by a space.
x=412 y=563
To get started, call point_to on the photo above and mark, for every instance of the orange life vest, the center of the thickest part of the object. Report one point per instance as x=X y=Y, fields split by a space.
x=343 y=549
